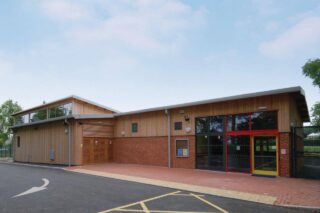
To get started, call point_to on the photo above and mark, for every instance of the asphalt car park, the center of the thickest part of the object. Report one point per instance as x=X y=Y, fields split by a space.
x=36 y=189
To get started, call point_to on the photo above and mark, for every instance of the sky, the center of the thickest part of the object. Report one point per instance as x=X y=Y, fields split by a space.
x=138 y=54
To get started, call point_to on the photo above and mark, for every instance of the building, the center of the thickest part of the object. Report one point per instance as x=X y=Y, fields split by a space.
x=246 y=133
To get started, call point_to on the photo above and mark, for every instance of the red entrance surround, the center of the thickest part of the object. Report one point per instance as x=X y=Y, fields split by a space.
x=251 y=133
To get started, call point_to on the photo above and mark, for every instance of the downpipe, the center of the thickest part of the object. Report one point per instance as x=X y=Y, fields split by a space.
x=66 y=122
x=167 y=112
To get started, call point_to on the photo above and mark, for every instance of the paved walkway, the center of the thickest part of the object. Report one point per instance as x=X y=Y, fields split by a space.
x=279 y=191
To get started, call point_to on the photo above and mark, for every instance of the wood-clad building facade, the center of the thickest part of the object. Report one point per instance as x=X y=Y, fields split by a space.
x=247 y=133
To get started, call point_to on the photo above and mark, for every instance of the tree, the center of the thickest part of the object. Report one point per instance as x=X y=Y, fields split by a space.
x=315 y=113
x=6 y=110
x=312 y=70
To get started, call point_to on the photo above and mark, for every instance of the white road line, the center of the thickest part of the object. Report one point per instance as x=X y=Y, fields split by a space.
x=34 y=189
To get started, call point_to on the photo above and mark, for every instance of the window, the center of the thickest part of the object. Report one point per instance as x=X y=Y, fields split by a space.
x=59 y=111
x=239 y=153
x=182 y=148
x=216 y=124
x=23 y=119
x=18 y=141
x=264 y=120
x=202 y=125
x=38 y=116
x=134 y=127
x=238 y=122
x=178 y=125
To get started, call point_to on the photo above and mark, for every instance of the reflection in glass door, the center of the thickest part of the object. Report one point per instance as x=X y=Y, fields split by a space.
x=210 y=143
x=265 y=159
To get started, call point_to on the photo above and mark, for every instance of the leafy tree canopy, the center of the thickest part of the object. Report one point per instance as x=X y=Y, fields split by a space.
x=312 y=70
x=315 y=110
x=6 y=109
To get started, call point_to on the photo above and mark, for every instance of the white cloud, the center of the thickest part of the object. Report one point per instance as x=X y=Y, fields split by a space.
x=142 y=24
x=301 y=38
x=63 y=10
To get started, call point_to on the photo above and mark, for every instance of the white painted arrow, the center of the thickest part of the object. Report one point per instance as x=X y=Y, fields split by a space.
x=35 y=189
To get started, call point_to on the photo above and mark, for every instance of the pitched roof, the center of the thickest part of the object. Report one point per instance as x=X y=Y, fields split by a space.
x=301 y=101
x=63 y=99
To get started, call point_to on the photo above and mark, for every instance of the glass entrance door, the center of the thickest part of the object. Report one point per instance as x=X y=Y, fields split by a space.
x=264 y=154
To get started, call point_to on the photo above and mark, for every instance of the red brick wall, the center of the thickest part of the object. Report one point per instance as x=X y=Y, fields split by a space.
x=152 y=151
x=284 y=163
x=141 y=150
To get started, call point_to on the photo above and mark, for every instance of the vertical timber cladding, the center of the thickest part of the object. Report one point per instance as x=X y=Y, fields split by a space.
x=151 y=139
x=41 y=142
x=97 y=143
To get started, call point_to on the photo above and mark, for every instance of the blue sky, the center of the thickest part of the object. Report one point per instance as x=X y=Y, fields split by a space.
x=139 y=54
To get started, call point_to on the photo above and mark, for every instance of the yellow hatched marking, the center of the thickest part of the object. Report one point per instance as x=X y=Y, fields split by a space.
x=144 y=207
x=146 y=200
x=209 y=203
x=187 y=195
x=157 y=211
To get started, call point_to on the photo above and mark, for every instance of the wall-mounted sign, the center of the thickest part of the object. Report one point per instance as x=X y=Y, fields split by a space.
x=283 y=151
x=238 y=148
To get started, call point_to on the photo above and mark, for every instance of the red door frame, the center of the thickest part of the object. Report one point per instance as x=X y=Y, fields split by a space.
x=251 y=133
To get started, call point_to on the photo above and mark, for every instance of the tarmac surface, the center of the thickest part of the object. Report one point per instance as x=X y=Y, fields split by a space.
x=33 y=189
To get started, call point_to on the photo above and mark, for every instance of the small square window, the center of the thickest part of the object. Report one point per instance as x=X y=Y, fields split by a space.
x=134 y=127
x=178 y=125
x=182 y=148
x=18 y=141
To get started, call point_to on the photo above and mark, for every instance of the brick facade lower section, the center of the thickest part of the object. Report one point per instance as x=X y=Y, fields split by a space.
x=152 y=151
x=183 y=162
x=285 y=155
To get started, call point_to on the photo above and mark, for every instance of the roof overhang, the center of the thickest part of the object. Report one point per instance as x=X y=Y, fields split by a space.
x=302 y=106
x=75 y=117
x=297 y=89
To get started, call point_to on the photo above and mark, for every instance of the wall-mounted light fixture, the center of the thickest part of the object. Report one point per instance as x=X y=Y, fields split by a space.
x=123 y=133
x=262 y=107
x=186 y=117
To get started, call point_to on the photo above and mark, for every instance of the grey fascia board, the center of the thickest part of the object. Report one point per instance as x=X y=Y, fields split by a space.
x=92 y=116
x=216 y=100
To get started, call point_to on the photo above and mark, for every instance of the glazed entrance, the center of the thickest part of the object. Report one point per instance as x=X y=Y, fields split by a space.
x=230 y=143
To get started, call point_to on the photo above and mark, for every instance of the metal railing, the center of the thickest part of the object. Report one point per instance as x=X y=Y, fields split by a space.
x=6 y=151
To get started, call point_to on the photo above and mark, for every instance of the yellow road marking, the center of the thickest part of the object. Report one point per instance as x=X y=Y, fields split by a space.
x=144 y=207
x=187 y=195
x=209 y=203
x=146 y=200
x=157 y=211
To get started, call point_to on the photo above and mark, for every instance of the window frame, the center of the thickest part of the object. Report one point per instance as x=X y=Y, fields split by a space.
x=178 y=123
x=133 y=130
x=188 y=147
x=18 y=141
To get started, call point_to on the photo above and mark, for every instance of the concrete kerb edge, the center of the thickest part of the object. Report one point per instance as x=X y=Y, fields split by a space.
x=300 y=206
x=264 y=199
x=32 y=165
